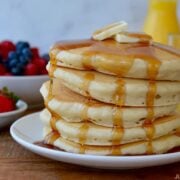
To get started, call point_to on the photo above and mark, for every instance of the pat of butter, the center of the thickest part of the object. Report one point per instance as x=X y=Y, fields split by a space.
x=122 y=38
x=110 y=30
x=126 y=37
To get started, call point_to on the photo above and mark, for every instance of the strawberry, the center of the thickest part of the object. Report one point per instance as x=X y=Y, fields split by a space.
x=7 y=100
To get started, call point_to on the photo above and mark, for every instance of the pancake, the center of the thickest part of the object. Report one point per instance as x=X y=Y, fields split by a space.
x=118 y=91
x=137 y=60
x=156 y=146
x=73 y=107
x=91 y=134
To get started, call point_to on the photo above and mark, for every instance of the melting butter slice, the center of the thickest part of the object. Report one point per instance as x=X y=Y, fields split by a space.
x=126 y=37
x=110 y=30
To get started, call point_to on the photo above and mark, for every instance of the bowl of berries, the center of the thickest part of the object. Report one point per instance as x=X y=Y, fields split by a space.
x=23 y=70
x=11 y=107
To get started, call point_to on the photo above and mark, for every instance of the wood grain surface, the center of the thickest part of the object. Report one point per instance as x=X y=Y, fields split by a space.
x=18 y=163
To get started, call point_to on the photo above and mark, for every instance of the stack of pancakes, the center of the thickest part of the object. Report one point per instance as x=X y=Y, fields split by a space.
x=109 y=98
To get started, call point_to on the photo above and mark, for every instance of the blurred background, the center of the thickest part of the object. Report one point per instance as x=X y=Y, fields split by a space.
x=42 y=22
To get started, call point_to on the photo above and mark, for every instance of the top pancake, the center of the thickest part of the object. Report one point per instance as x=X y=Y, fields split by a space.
x=137 y=60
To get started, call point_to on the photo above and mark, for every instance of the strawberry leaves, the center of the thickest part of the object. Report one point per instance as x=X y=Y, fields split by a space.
x=9 y=94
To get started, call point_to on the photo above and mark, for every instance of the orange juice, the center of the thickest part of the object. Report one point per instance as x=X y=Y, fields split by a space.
x=161 y=19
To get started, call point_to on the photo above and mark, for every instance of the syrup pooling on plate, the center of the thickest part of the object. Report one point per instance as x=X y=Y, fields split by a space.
x=51 y=137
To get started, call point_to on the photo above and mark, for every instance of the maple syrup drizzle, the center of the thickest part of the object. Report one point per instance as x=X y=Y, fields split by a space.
x=153 y=68
x=83 y=130
x=51 y=137
x=118 y=58
x=151 y=94
x=119 y=95
x=122 y=61
x=82 y=149
x=150 y=131
x=51 y=70
x=117 y=117
x=84 y=113
x=140 y=36
x=88 y=78
x=116 y=140
x=54 y=116
x=50 y=94
x=148 y=124
x=73 y=44
x=116 y=150
x=82 y=135
x=52 y=55
x=118 y=131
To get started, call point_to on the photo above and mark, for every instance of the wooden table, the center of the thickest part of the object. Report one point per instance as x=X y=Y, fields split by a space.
x=18 y=163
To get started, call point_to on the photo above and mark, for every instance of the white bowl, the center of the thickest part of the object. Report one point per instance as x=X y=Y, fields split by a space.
x=8 y=117
x=26 y=87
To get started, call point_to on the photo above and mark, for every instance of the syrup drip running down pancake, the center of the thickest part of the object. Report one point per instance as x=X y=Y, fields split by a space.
x=159 y=146
x=91 y=134
x=73 y=107
x=118 y=91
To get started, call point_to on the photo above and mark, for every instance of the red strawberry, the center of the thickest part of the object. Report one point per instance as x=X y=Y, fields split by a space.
x=6 y=104
x=7 y=101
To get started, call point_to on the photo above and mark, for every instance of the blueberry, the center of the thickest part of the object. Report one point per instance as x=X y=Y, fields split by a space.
x=12 y=55
x=26 y=52
x=24 y=60
x=20 y=66
x=16 y=71
x=46 y=57
x=13 y=63
x=21 y=45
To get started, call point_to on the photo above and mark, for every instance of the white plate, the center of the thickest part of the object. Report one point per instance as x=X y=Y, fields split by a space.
x=8 y=117
x=28 y=130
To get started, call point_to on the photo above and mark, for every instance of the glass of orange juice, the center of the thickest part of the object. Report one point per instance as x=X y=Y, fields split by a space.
x=161 y=19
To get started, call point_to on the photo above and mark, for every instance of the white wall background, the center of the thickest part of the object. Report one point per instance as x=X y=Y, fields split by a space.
x=42 y=22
